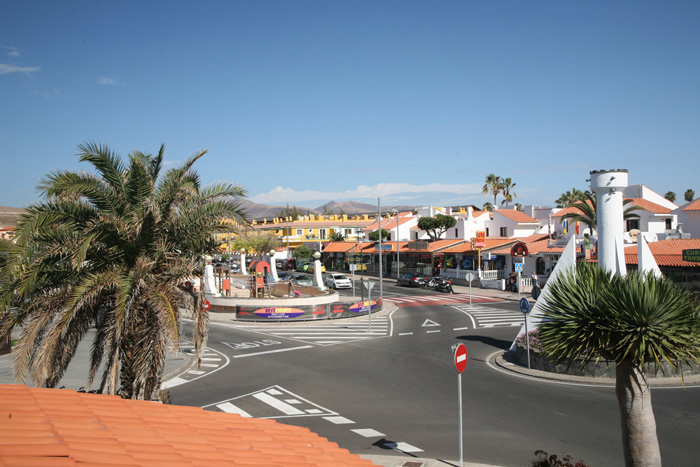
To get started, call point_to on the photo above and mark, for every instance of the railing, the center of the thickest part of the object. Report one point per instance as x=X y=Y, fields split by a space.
x=493 y=275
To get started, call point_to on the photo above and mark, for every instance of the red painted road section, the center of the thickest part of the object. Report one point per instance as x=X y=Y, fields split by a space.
x=447 y=299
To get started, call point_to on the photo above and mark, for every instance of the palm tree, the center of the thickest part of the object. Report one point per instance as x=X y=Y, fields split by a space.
x=689 y=195
x=671 y=196
x=487 y=206
x=494 y=185
x=112 y=249
x=570 y=197
x=587 y=211
x=336 y=237
x=632 y=320
x=506 y=187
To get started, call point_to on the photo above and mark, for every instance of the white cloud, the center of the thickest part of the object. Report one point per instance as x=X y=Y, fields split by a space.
x=393 y=191
x=107 y=81
x=13 y=52
x=6 y=68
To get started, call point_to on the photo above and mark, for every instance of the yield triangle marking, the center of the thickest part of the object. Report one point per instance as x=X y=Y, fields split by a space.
x=428 y=323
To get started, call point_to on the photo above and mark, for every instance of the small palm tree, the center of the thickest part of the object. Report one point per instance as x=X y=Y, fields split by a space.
x=111 y=249
x=336 y=237
x=570 y=197
x=487 y=207
x=632 y=320
x=493 y=185
x=671 y=196
x=588 y=214
x=507 y=187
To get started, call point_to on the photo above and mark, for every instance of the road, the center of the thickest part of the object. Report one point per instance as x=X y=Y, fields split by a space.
x=393 y=389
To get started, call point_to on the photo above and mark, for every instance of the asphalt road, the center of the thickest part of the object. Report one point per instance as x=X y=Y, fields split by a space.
x=396 y=388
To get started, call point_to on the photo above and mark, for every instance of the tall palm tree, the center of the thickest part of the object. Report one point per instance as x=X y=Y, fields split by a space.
x=671 y=196
x=507 y=187
x=111 y=249
x=587 y=211
x=570 y=197
x=493 y=185
x=632 y=320
x=689 y=195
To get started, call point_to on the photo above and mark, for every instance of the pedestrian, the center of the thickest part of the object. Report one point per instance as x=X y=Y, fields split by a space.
x=535 y=287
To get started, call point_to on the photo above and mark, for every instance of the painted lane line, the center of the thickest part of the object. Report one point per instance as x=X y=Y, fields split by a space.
x=172 y=382
x=230 y=408
x=402 y=447
x=428 y=332
x=210 y=359
x=278 y=404
x=460 y=329
x=339 y=420
x=313 y=411
x=196 y=372
x=208 y=365
x=273 y=351
x=292 y=401
x=368 y=432
x=405 y=334
x=274 y=392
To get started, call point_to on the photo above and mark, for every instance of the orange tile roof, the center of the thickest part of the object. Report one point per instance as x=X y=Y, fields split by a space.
x=517 y=216
x=60 y=427
x=339 y=247
x=491 y=242
x=649 y=206
x=667 y=252
x=694 y=206
x=388 y=224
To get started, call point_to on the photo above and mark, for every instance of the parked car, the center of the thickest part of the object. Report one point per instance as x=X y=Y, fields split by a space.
x=338 y=281
x=302 y=266
x=300 y=279
x=411 y=280
x=311 y=268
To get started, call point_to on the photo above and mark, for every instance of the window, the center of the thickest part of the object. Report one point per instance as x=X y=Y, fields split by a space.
x=504 y=231
x=487 y=232
x=456 y=232
x=632 y=224
x=348 y=233
x=300 y=231
x=322 y=233
x=668 y=224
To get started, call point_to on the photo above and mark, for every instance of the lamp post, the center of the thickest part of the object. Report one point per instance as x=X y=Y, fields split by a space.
x=317 y=270
x=398 y=265
x=243 y=269
x=273 y=264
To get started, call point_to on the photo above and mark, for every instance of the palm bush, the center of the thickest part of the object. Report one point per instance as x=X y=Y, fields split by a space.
x=631 y=320
x=111 y=249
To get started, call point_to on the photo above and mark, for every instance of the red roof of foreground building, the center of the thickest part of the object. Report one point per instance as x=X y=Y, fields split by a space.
x=60 y=427
x=649 y=206
x=516 y=216
x=694 y=206
x=667 y=253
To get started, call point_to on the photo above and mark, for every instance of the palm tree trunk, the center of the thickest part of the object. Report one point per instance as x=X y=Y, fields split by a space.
x=639 y=441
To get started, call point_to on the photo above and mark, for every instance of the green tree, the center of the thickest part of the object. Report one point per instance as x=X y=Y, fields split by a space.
x=493 y=185
x=256 y=243
x=671 y=196
x=374 y=236
x=302 y=252
x=570 y=197
x=587 y=211
x=631 y=320
x=436 y=226
x=111 y=249
x=689 y=195
x=507 y=187
x=487 y=207
x=288 y=211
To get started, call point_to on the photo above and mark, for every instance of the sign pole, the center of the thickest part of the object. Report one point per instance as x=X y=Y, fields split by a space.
x=525 y=308
x=459 y=356
x=461 y=436
x=519 y=282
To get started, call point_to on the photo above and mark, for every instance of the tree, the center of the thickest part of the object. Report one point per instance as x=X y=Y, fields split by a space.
x=671 y=196
x=302 y=252
x=493 y=185
x=689 y=195
x=507 y=187
x=256 y=243
x=374 y=236
x=631 y=320
x=436 y=226
x=570 y=197
x=487 y=207
x=587 y=211
x=292 y=212
x=111 y=249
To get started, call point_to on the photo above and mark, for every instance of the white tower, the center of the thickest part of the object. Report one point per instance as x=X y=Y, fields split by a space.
x=609 y=185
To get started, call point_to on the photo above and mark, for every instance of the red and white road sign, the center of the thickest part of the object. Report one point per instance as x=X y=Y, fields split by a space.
x=460 y=357
x=207 y=305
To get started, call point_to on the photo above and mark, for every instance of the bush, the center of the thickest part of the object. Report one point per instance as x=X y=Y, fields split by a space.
x=545 y=460
x=534 y=338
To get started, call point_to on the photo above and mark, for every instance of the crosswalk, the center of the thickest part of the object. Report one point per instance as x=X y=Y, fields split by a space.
x=446 y=299
x=211 y=361
x=325 y=333
x=488 y=317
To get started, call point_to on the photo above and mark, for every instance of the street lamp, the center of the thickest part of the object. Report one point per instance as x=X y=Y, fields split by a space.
x=398 y=265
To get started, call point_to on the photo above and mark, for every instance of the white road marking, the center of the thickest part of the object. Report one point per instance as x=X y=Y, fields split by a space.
x=196 y=372
x=278 y=404
x=230 y=408
x=339 y=420
x=171 y=383
x=368 y=432
x=428 y=332
x=272 y=351
x=460 y=329
x=405 y=334
x=429 y=323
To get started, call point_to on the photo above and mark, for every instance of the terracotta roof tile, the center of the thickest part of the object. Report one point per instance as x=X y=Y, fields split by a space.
x=649 y=206
x=517 y=216
x=694 y=206
x=62 y=427
x=667 y=253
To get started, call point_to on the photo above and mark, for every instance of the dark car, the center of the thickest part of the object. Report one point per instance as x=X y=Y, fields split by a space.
x=411 y=280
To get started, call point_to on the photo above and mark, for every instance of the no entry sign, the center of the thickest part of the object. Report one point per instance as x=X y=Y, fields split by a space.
x=460 y=357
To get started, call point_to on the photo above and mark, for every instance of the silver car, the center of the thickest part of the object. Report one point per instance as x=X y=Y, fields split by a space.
x=338 y=281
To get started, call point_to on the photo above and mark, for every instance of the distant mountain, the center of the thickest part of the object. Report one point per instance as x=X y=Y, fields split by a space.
x=267 y=211
x=347 y=207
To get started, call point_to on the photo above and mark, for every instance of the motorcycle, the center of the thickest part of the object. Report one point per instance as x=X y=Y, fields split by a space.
x=430 y=283
x=444 y=285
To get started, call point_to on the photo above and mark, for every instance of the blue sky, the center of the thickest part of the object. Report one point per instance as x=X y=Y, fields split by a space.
x=304 y=102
